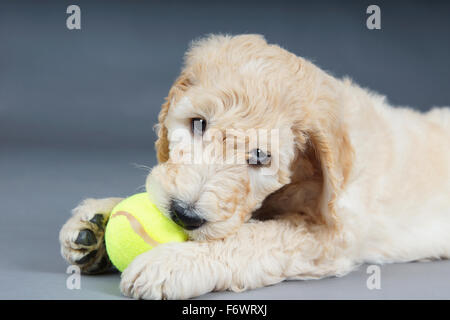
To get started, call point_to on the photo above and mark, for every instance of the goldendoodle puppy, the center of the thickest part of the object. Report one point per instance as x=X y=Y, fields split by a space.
x=340 y=178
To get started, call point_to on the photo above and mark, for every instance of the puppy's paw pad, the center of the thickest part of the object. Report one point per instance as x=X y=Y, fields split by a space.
x=98 y=220
x=86 y=237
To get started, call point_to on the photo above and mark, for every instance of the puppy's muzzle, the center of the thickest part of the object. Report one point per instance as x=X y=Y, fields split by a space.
x=185 y=215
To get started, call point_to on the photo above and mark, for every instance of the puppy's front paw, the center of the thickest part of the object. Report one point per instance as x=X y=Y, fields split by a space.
x=82 y=237
x=171 y=271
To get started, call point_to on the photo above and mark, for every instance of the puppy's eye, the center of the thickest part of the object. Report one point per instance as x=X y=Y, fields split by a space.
x=258 y=157
x=198 y=126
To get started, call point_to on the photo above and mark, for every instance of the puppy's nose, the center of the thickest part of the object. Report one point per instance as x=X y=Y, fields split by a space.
x=184 y=215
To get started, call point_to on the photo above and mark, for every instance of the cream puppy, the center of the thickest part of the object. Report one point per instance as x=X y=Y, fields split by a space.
x=349 y=179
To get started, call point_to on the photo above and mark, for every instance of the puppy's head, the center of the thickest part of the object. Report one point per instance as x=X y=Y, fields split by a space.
x=233 y=126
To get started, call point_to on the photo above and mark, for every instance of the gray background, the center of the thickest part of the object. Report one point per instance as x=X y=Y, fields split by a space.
x=77 y=110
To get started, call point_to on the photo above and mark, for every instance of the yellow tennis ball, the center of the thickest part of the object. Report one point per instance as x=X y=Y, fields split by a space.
x=136 y=226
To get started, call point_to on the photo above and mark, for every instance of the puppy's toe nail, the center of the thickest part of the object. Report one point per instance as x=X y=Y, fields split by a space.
x=97 y=220
x=86 y=238
x=91 y=255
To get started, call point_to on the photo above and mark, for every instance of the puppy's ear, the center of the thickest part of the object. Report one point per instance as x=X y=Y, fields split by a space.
x=333 y=155
x=180 y=86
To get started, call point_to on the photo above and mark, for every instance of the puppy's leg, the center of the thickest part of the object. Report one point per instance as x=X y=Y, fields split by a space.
x=259 y=254
x=82 y=236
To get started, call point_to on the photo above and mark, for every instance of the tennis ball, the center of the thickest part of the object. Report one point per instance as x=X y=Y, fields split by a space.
x=136 y=226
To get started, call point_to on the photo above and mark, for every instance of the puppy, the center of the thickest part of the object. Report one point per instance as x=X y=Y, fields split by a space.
x=348 y=180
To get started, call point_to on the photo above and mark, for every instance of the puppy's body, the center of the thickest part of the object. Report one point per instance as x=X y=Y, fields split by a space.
x=397 y=199
x=357 y=181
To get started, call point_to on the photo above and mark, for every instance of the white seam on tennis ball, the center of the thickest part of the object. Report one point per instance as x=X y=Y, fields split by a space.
x=137 y=227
